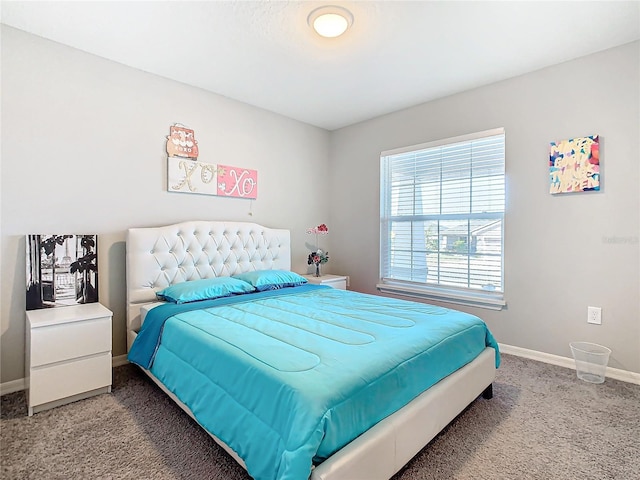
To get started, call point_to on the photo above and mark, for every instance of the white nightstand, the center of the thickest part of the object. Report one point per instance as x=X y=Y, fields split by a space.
x=68 y=354
x=336 y=281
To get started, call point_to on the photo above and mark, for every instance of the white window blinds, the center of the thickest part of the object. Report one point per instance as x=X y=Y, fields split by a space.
x=442 y=212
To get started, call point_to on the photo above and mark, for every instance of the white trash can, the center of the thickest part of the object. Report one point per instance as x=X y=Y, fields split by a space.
x=591 y=361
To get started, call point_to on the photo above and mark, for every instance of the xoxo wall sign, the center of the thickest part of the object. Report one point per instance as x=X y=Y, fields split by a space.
x=188 y=175
x=192 y=176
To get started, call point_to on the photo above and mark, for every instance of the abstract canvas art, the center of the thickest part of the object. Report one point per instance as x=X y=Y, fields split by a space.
x=574 y=165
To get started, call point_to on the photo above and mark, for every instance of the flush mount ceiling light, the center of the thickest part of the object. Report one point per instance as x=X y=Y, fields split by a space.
x=330 y=21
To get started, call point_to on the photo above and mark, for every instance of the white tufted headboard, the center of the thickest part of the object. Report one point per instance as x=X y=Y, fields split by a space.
x=161 y=256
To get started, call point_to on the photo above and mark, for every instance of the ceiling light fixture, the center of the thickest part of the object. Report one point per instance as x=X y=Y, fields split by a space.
x=330 y=21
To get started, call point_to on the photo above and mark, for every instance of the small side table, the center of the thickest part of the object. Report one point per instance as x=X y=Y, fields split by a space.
x=67 y=354
x=341 y=282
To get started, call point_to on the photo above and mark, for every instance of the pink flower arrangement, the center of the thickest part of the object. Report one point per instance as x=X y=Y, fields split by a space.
x=321 y=229
x=318 y=257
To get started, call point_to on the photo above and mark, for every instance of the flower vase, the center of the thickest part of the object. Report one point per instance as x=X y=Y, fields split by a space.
x=318 y=274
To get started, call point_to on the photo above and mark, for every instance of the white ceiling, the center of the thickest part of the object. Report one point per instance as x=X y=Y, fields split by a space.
x=397 y=54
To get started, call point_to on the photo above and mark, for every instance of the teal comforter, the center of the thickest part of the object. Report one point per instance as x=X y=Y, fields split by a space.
x=287 y=379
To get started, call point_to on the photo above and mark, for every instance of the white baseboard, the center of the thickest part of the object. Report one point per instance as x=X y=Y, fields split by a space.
x=12 y=386
x=615 y=373
x=19 y=384
x=119 y=361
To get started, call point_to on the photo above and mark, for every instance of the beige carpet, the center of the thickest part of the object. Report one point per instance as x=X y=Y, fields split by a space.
x=543 y=423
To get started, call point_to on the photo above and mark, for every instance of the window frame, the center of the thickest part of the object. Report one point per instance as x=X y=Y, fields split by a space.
x=451 y=294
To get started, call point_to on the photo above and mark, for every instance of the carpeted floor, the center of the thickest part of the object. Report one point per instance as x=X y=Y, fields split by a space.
x=542 y=423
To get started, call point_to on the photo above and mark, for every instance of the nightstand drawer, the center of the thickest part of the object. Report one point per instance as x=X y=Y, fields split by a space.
x=339 y=284
x=55 y=343
x=69 y=378
x=336 y=281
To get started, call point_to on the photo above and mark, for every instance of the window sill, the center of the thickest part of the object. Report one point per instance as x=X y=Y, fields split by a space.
x=491 y=301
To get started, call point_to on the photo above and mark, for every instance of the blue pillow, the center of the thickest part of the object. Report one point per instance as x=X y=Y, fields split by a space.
x=271 y=279
x=205 y=289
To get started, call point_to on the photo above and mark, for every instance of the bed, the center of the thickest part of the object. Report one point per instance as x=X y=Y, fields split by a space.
x=348 y=385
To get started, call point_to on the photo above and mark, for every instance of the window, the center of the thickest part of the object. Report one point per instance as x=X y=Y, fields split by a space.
x=442 y=220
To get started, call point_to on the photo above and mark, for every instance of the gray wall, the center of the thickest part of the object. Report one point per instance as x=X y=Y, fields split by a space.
x=83 y=151
x=563 y=252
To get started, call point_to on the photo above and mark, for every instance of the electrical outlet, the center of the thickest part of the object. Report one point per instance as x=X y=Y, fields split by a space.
x=594 y=315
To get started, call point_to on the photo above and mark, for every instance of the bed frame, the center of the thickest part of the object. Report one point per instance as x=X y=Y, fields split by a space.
x=161 y=256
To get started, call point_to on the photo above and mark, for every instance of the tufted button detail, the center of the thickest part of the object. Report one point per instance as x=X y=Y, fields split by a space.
x=151 y=252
